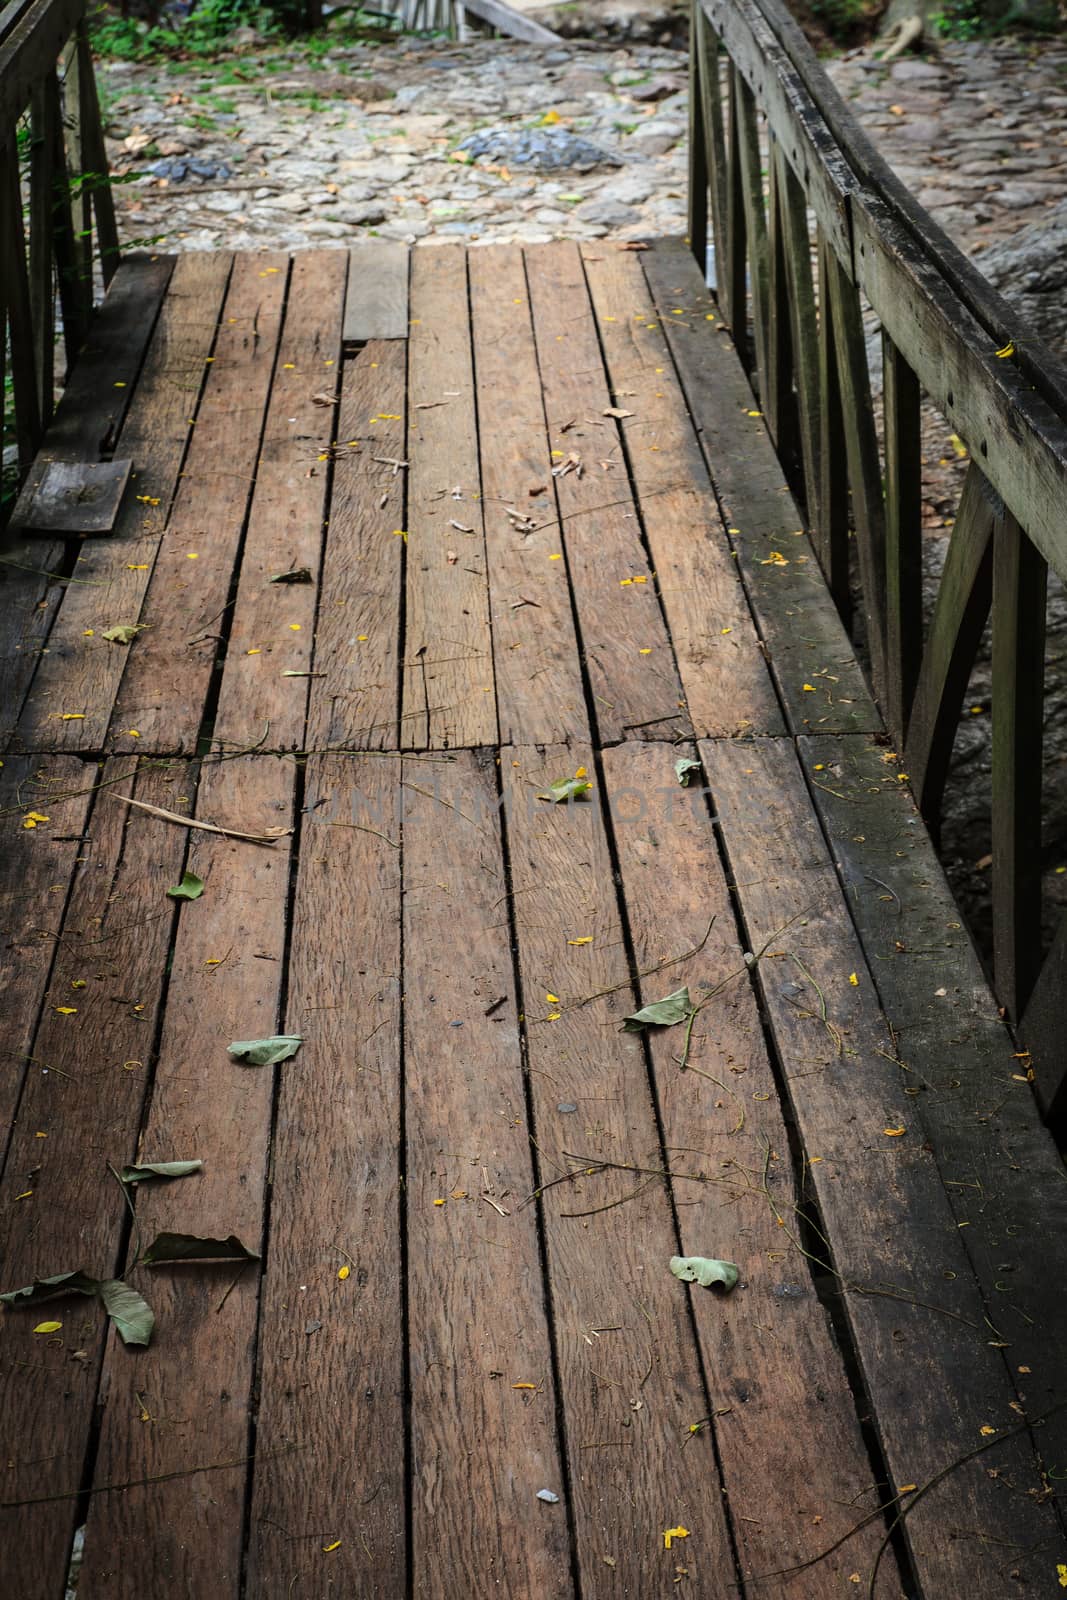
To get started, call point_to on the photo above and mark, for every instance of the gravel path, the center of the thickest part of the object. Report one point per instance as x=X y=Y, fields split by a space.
x=280 y=146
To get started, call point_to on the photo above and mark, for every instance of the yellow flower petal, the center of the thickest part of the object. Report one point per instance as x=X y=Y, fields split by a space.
x=343 y=1273
x=48 y=1327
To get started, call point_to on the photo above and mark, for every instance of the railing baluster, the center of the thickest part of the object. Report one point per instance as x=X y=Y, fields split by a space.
x=94 y=156
x=42 y=280
x=779 y=405
x=748 y=147
x=72 y=299
x=81 y=197
x=1019 y=594
x=800 y=292
x=698 y=168
x=861 y=450
x=902 y=400
x=16 y=297
x=733 y=277
x=963 y=601
x=710 y=52
x=831 y=524
x=1042 y=1032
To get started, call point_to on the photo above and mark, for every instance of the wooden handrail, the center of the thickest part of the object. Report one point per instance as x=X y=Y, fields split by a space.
x=57 y=220
x=812 y=233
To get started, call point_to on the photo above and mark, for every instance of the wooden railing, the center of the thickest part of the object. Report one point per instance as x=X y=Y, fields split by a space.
x=812 y=234
x=53 y=188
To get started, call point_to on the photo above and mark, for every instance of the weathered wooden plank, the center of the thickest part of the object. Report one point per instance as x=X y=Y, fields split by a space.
x=731 y=272
x=901 y=405
x=1004 y=1177
x=195 y=1381
x=506 y=20
x=920 y=1322
x=330 y=1333
x=86 y=422
x=806 y=641
x=81 y=1111
x=1020 y=580
x=36 y=863
x=538 y=680
x=719 y=655
x=355 y=692
x=614 y=595
x=963 y=600
x=376 y=305
x=273 y=625
x=722 y=1123
x=479 y=1327
x=169 y=667
x=73 y=691
x=630 y=1384
x=448 y=645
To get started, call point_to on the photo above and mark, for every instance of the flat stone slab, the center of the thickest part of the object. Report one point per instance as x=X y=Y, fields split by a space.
x=545 y=149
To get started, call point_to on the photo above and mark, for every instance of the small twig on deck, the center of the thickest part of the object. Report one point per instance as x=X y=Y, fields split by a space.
x=140 y=1483
x=205 y=827
x=621 y=1201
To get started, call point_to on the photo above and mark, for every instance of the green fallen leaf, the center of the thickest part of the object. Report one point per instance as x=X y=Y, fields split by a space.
x=125 y=633
x=190 y=888
x=129 y=1311
x=61 y=1283
x=295 y=575
x=685 y=771
x=576 y=788
x=699 y=1269
x=190 y=1247
x=660 y=1013
x=131 y=1314
x=158 y=1169
x=266 y=1052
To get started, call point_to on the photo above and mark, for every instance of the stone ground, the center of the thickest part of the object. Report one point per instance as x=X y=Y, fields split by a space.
x=303 y=147
x=281 y=146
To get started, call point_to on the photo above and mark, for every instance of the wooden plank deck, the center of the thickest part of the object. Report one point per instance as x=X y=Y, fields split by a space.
x=408 y=542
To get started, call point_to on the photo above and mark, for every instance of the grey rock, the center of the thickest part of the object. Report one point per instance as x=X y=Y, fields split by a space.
x=364 y=216
x=544 y=149
x=178 y=169
x=608 y=214
x=1030 y=269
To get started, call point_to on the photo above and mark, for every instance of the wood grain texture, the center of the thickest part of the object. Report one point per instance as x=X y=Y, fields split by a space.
x=917 y=1314
x=1004 y=1176
x=630 y=1376
x=720 y=659
x=355 y=693
x=806 y=642
x=80 y=675
x=722 y=1122
x=481 y=1449
x=92 y=1061
x=195 y=1381
x=376 y=305
x=538 y=679
x=169 y=667
x=86 y=425
x=632 y=694
x=448 y=698
x=331 y=1347
x=36 y=864
x=273 y=625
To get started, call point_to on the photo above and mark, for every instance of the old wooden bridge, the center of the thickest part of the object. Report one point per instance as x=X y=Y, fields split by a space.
x=406 y=542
